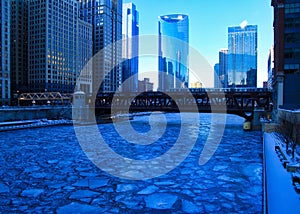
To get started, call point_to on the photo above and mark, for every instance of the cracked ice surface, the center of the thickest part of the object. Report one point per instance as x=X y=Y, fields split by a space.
x=45 y=170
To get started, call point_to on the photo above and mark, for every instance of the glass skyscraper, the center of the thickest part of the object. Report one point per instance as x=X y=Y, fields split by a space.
x=217 y=83
x=106 y=19
x=242 y=56
x=223 y=65
x=5 y=6
x=130 y=32
x=173 y=55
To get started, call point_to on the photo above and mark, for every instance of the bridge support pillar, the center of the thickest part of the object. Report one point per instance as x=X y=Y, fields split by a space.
x=80 y=109
x=257 y=114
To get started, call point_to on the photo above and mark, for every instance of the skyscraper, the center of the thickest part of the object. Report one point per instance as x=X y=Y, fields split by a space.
x=286 y=53
x=130 y=32
x=217 y=83
x=223 y=66
x=106 y=19
x=84 y=54
x=19 y=46
x=242 y=56
x=53 y=27
x=173 y=55
x=5 y=95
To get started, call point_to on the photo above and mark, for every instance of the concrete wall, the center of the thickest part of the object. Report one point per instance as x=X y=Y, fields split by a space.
x=35 y=112
x=290 y=121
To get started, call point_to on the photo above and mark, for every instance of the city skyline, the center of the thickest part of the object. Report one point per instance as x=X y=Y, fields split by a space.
x=209 y=22
x=205 y=33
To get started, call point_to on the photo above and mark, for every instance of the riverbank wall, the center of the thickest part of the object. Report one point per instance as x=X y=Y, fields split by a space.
x=8 y=114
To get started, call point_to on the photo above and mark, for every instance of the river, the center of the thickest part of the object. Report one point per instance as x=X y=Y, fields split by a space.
x=48 y=169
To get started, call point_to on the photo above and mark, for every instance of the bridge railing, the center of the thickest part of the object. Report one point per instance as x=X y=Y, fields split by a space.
x=45 y=98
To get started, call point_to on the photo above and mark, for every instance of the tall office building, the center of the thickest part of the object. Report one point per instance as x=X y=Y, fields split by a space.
x=217 y=83
x=173 y=56
x=53 y=27
x=242 y=56
x=106 y=19
x=5 y=94
x=19 y=46
x=286 y=53
x=130 y=32
x=223 y=64
x=84 y=54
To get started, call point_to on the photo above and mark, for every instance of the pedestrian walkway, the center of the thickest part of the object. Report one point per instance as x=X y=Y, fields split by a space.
x=280 y=194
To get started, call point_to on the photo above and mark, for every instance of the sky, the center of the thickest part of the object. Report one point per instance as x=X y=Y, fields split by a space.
x=208 y=26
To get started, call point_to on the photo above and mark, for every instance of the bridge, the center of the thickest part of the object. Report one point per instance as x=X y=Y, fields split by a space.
x=43 y=98
x=241 y=102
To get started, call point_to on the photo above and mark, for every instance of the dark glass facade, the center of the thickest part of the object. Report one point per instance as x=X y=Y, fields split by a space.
x=19 y=46
x=5 y=94
x=173 y=55
x=242 y=56
x=291 y=36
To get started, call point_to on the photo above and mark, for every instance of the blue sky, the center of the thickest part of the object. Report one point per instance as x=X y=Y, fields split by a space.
x=209 y=22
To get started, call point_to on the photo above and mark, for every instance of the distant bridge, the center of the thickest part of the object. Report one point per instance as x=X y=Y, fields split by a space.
x=241 y=102
x=43 y=98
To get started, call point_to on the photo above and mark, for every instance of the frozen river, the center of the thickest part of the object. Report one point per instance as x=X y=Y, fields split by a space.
x=46 y=170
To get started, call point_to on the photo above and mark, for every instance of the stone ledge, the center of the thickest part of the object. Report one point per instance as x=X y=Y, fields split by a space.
x=269 y=127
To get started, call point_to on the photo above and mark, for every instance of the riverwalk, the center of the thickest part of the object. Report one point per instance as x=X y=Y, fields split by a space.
x=280 y=194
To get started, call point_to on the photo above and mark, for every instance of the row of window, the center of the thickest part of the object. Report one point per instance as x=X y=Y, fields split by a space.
x=292 y=22
x=292 y=8
x=291 y=67
x=292 y=53
x=292 y=38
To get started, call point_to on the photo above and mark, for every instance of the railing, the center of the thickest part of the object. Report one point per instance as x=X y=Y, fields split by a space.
x=45 y=98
